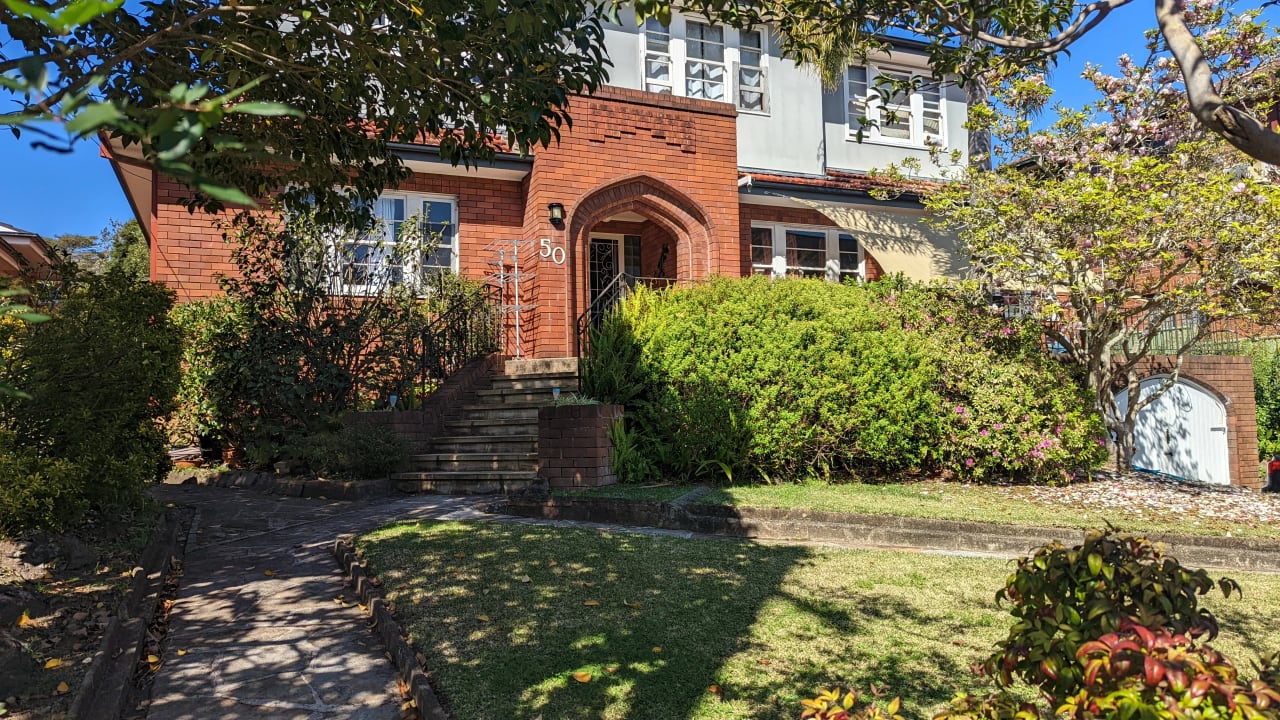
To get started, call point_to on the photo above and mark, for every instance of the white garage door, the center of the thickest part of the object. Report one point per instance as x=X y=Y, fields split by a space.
x=1183 y=433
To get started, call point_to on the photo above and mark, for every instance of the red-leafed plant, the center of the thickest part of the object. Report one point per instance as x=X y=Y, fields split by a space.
x=1154 y=673
x=1062 y=598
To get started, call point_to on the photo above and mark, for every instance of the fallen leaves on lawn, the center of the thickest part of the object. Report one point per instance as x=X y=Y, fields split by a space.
x=63 y=688
x=52 y=663
x=591 y=603
x=269 y=573
x=25 y=620
x=582 y=677
x=657 y=648
x=633 y=605
x=525 y=579
x=482 y=618
x=181 y=653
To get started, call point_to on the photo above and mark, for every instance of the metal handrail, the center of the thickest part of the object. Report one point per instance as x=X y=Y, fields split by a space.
x=611 y=294
x=463 y=332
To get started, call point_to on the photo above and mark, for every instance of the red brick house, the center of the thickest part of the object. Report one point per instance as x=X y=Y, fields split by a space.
x=708 y=153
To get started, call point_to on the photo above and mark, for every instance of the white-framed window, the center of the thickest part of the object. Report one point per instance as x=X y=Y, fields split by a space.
x=657 y=57
x=752 y=75
x=696 y=59
x=387 y=255
x=878 y=106
x=704 y=75
x=783 y=250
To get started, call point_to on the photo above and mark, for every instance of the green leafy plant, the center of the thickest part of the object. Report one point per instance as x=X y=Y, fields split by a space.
x=1064 y=598
x=99 y=377
x=346 y=452
x=629 y=461
x=753 y=379
x=1266 y=394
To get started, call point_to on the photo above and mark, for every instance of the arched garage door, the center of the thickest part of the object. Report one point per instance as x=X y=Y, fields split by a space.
x=1183 y=433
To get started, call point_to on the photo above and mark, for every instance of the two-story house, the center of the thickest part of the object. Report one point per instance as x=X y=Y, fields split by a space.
x=707 y=153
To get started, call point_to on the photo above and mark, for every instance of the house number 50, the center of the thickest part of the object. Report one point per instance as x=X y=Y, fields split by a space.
x=547 y=250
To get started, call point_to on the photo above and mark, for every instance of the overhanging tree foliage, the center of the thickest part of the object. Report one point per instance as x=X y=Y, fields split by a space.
x=243 y=100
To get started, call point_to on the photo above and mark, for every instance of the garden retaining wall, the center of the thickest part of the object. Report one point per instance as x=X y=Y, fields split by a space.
x=418 y=427
x=574 y=450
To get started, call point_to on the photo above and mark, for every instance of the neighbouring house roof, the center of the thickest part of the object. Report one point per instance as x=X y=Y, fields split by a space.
x=861 y=184
x=22 y=251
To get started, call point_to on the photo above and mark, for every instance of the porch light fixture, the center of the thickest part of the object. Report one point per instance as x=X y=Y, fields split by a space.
x=555 y=213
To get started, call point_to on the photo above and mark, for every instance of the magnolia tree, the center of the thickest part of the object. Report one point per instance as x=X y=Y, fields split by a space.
x=1122 y=220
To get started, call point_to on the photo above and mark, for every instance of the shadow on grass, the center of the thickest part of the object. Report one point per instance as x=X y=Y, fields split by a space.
x=507 y=614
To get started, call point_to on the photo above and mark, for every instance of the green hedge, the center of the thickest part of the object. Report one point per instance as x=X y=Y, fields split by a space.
x=1266 y=392
x=100 y=376
x=753 y=379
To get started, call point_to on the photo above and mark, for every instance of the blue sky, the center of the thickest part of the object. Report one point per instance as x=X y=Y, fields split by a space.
x=51 y=194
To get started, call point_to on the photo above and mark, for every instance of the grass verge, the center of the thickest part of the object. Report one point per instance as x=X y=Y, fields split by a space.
x=1006 y=505
x=506 y=614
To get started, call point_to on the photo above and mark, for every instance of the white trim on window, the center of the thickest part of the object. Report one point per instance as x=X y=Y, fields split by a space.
x=372 y=261
x=917 y=120
x=790 y=250
x=693 y=58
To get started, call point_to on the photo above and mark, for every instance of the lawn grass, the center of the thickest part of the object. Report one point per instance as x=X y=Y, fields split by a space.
x=502 y=614
x=947 y=501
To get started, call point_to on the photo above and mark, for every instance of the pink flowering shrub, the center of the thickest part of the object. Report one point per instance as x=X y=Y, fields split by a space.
x=1012 y=412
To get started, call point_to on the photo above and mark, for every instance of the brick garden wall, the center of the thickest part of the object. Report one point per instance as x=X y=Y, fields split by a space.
x=573 y=445
x=1230 y=377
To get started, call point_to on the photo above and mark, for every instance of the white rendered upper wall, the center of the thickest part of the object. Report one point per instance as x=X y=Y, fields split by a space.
x=802 y=128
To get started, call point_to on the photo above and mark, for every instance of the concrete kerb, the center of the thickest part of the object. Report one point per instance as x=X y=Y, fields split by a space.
x=384 y=623
x=108 y=685
x=876 y=531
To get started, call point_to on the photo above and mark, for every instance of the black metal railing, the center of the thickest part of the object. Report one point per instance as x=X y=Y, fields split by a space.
x=613 y=293
x=462 y=326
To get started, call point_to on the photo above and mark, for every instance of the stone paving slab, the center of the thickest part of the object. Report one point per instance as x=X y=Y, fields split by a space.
x=255 y=616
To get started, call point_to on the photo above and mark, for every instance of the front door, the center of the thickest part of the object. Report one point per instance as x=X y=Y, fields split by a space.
x=603 y=269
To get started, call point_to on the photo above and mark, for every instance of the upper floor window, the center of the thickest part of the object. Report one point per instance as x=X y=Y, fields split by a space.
x=390 y=254
x=657 y=57
x=796 y=251
x=700 y=60
x=704 y=63
x=881 y=107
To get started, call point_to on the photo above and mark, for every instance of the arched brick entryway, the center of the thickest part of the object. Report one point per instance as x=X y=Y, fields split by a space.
x=671 y=213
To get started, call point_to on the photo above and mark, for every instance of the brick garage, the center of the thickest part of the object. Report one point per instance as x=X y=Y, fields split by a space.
x=1230 y=378
x=574 y=450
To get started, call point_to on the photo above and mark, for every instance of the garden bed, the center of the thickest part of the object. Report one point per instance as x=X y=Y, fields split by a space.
x=505 y=615
x=1132 y=501
x=58 y=597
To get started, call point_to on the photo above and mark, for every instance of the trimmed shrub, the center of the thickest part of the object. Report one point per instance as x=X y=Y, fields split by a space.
x=100 y=376
x=347 y=452
x=1266 y=393
x=764 y=379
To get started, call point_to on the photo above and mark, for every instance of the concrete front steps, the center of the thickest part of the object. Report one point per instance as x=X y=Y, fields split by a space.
x=491 y=445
